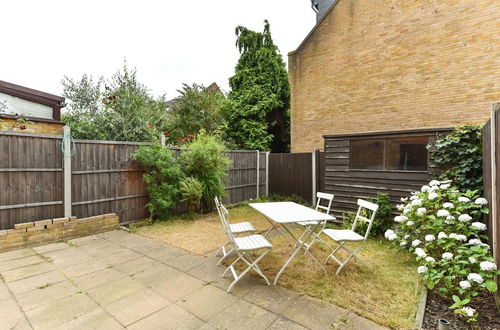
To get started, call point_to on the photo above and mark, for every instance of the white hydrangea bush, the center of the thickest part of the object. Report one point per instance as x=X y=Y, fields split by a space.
x=442 y=227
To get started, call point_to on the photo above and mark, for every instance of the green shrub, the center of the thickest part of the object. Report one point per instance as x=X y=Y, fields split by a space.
x=205 y=160
x=191 y=192
x=162 y=179
x=383 y=219
x=443 y=227
x=461 y=155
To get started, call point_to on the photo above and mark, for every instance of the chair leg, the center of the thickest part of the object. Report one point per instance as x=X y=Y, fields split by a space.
x=332 y=255
x=250 y=266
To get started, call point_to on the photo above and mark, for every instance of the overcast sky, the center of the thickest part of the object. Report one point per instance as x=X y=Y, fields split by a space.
x=168 y=42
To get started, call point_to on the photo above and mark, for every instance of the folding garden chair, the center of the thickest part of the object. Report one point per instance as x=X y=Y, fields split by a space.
x=322 y=199
x=236 y=228
x=243 y=246
x=343 y=236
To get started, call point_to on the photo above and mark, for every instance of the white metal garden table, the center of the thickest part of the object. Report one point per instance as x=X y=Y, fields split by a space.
x=283 y=214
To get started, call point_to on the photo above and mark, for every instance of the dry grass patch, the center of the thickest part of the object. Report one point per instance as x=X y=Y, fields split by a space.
x=388 y=295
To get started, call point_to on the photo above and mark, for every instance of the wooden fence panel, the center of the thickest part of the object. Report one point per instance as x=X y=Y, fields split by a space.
x=291 y=174
x=30 y=178
x=242 y=177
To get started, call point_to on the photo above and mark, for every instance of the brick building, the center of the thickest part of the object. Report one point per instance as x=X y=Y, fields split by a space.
x=377 y=66
x=43 y=110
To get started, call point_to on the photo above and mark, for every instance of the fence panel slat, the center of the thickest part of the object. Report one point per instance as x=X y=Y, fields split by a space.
x=290 y=174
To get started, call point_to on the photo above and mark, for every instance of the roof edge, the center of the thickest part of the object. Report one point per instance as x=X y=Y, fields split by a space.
x=309 y=35
x=7 y=86
x=381 y=133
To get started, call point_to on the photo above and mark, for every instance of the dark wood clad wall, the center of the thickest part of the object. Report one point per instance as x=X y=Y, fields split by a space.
x=290 y=174
x=348 y=185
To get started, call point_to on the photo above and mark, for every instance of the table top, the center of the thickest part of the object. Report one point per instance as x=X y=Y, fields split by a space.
x=289 y=212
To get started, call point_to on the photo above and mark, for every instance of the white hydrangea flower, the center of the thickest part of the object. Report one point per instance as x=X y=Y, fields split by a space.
x=430 y=259
x=448 y=205
x=413 y=197
x=477 y=241
x=390 y=235
x=487 y=266
x=463 y=199
x=421 y=211
x=475 y=277
x=400 y=218
x=425 y=188
x=481 y=201
x=406 y=236
x=453 y=235
x=400 y=207
x=442 y=235
x=410 y=223
x=403 y=243
x=458 y=237
x=415 y=242
x=406 y=210
x=447 y=255
x=445 y=186
x=434 y=183
x=404 y=199
x=416 y=202
x=478 y=226
x=450 y=218
x=464 y=284
x=421 y=253
x=469 y=311
x=472 y=260
x=464 y=217
x=422 y=269
x=430 y=238
x=443 y=213
x=432 y=196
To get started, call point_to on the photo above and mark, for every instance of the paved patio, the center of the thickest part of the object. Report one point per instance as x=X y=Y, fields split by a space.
x=121 y=280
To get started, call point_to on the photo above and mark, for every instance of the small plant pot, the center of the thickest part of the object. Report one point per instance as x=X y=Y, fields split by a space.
x=443 y=324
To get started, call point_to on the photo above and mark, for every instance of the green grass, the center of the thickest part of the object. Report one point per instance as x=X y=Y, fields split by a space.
x=388 y=295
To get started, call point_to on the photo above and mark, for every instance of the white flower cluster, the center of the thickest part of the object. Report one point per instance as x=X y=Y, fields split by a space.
x=487 y=266
x=447 y=255
x=458 y=237
x=443 y=213
x=464 y=218
x=390 y=235
x=421 y=253
x=421 y=211
x=481 y=201
x=478 y=225
x=475 y=278
x=448 y=205
x=464 y=284
x=430 y=238
x=422 y=269
x=469 y=311
x=400 y=218
x=462 y=199
x=442 y=235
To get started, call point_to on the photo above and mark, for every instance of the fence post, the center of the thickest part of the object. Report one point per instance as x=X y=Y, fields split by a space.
x=313 y=173
x=258 y=174
x=494 y=168
x=67 y=170
x=162 y=140
x=267 y=173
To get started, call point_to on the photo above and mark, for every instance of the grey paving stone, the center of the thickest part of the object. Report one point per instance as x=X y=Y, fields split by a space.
x=96 y=319
x=51 y=247
x=178 y=287
x=185 y=262
x=136 y=266
x=114 y=234
x=285 y=324
x=33 y=282
x=154 y=275
x=145 y=246
x=92 y=239
x=20 y=262
x=10 y=313
x=243 y=287
x=207 y=271
x=4 y=291
x=207 y=302
x=4 y=256
x=273 y=298
x=20 y=323
x=67 y=258
x=136 y=306
x=83 y=269
x=23 y=272
x=166 y=254
x=118 y=258
x=243 y=315
x=45 y=295
x=61 y=311
x=97 y=278
x=171 y=317
x=115 y=290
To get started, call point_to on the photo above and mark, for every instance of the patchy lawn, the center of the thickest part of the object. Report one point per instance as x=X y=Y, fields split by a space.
x=388 y=295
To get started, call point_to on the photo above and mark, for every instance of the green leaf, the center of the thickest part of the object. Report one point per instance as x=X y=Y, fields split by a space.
x=430 y=284
x=491 y=286
x=456 y=298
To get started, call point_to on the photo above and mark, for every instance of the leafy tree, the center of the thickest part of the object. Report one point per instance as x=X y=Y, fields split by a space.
x=196 y=108
x=257 y=108
x=119 y=109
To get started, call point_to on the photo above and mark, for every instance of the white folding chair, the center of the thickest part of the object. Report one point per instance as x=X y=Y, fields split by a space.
x=242 y=247
x=322 y=199
x=236 y=228
x=343 y=236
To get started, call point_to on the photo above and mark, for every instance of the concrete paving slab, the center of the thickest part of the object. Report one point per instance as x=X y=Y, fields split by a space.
x=96 y=319
x=98 y=278
x=136 y=266
x=136 y=306
x=207 y=302
x=17 y=324
x=61 y=311
x=4 y=291
x=171 y=317
x=21 y=262
x=285 y=324
x=4 y=256
x=243 y=315
x=68 y=257
x=115 y=290
x=185 y=262
x=118 y=258
x=80 y=241
x=207 y=271
x=155 y=274
x=83 y=269
x=178 y=287
x=273 y=298
x=27 y=271
x=45 y=295
x=33 y=282
x=51 y=247
x=166 y=254
x=10 y=313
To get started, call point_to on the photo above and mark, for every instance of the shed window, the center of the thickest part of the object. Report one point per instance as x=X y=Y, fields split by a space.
x=406 y=154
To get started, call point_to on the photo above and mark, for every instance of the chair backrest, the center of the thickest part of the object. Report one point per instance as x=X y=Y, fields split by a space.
x=365 y=205
x=224 y=216
x=328 y=198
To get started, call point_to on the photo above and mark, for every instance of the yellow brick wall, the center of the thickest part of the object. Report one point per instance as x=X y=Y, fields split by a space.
x=394 y=65
x=34 y=127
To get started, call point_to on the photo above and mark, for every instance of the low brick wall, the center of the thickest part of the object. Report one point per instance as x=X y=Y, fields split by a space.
x=54 y=230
